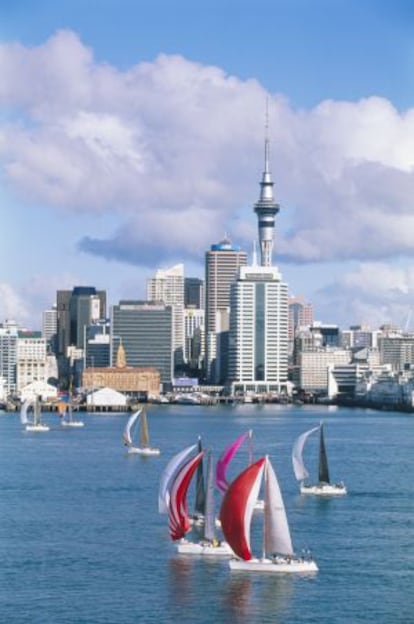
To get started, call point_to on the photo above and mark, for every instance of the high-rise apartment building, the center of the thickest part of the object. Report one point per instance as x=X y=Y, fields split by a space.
x=145 y=330
x=194 y=320
x=8 y=357
x=31 y=359
x=49 y=328
x=222 y=264
x=258 y=339
x=300 y=315
x=76 y=309
x=168 y=286
x=194 y=293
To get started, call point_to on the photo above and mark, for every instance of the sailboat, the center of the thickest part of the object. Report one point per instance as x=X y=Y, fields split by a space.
x=178 y=518
x=225 y=459
x=144 y=448
x=324 y=487
x=36 y=423
x=66 y=415
x=209 y=544
x=236 y=516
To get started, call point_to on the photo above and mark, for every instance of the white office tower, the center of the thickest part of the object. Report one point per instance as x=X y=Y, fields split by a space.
x=31 y=359
x=258 y=340
x=194 y=336
x=167 y=286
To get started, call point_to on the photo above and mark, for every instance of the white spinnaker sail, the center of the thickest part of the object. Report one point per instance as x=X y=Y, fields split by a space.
x=23 y=412
x=168 y=476
x=297 y=455
x=276 y=528
x=128 y=427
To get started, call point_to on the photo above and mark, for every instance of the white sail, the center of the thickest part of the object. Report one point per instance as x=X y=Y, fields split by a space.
x=209 y=522
x=128 y=427
x=169 y=474
x=276 y=528
x=297 y=455
x=23 y=412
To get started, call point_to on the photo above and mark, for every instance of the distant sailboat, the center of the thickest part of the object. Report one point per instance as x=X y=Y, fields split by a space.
x=236 y=517
x=209 y=544
x=144 y=448
x=36 y=423
x=324 y=487
x=66 y=415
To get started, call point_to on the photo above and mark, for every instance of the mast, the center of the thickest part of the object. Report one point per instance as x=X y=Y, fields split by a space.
x=200 y=501
x=323 y=458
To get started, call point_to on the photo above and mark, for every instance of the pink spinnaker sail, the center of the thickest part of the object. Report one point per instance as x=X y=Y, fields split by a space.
x=226 y=457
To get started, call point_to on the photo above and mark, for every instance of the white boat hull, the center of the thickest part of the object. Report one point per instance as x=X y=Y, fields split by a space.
x=324 y=489
x=147 y=451
x=72 y=423
x=221 y=549
x=278 y=565
x=37 y=428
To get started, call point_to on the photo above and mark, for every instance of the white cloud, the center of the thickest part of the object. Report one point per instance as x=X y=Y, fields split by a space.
x=172 y=152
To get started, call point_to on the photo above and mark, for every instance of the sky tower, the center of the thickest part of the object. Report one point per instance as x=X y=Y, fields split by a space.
x=266 y=209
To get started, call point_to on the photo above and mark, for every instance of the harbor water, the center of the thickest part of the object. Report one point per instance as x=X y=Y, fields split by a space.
x=82 y=542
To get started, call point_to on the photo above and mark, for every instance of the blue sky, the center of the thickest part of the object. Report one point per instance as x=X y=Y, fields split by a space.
x=131 y=139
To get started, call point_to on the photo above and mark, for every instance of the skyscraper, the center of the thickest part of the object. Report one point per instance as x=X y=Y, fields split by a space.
x=76 y=309
x=145 y=330
x=194 y=292
x=222 y=264
x=258 y=343
x=168 y=286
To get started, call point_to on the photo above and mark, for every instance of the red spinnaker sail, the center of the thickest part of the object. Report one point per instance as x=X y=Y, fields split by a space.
x=179 y=523
x=237 y=508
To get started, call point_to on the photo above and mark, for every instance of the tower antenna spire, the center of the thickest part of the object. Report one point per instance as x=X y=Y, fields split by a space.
x=266 y=208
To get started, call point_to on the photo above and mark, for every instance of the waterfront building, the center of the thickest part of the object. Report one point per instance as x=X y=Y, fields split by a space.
x=311 y=373
x=133 y=382
x=167 y=286
x=8 y=357
x=258 y=336
x=222 y=263
x=145 y=330
x=31 y=359
x=397 y=350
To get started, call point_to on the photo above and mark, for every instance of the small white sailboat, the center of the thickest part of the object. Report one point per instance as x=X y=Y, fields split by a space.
x=144 y=448
x=208 y=545
x=236 y=516
x=324 y=487
x=66 y=416
x=36 y=423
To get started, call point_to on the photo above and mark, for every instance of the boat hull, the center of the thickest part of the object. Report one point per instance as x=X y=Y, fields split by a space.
x=136 y=450
x=221 y=549
x=277 y=565
x=73 y=423
x=325 y=489
x=37 y=428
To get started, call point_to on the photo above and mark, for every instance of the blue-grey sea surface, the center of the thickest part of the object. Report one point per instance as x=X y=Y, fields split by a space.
x=82 y=542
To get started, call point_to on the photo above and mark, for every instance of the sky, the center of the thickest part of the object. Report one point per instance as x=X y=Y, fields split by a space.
x=132 y=139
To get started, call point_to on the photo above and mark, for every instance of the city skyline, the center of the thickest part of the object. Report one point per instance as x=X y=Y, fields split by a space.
x=129 y=144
